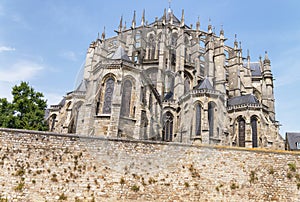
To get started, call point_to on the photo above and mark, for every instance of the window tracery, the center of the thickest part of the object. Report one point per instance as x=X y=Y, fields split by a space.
x=126 y=98
x=108 y=95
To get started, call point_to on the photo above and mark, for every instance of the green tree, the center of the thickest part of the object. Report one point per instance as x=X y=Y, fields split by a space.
x=27 y=110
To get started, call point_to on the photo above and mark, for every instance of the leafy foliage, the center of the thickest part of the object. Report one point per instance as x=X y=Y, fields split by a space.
x=26 y=111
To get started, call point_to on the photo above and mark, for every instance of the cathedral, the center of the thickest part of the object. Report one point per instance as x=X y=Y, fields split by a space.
x=167 y=81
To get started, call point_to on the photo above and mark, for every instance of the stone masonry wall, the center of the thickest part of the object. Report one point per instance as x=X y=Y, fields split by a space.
x=37 y=166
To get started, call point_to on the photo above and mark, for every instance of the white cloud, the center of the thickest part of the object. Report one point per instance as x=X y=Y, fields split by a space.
x=20 y=71
x=5 y=90
x=69 y=55
x=6 y=48
x=52 y=98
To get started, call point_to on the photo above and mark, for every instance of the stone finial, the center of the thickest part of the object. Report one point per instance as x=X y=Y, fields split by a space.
x=164 y=18
x=235 y=42
x=121 y=24
x=198 y=24
x=182 y=19
x=222 y=32
x=143 y=18
x=248 y=55
x=103 y=34
x=209 y=26
x=124 y=26
x=133 y=21
x=266 y=60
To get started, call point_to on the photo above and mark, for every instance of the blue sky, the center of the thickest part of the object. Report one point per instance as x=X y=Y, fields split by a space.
x=44 y=42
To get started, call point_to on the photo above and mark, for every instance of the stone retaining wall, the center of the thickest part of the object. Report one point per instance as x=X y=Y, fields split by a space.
x=39 y=166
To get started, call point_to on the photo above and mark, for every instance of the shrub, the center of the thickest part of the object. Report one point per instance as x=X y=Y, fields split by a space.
x=62 y=197
x=135 y=188
x=289 y=175
x=234 y=186
x=292 y=167
x=271 y=171
x=186 y=184
x=20 y=186
x=122 y=181
x=253 y=177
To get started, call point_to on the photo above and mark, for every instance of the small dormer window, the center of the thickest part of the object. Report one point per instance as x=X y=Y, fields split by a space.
x=298 y=145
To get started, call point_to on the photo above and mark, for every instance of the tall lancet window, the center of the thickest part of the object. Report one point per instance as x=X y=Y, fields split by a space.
x=241 y=125
x=198 y=120
x=186 y=85
x=168 y=127
x=254 y=131
x=173 y=48
x=211 y=118
x=126 y=98
x=151 y=51
x=108 y=95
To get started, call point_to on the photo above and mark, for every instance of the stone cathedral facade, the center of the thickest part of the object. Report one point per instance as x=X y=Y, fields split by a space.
x=167 y=81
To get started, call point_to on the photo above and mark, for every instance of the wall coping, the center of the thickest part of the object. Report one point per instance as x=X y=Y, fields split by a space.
x=71 y=136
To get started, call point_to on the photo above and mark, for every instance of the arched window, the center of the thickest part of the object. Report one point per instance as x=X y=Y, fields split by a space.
x=151 y=47
x=198 y=120
x=74 y=117
x=108 y=95
x=254 y=131
x=53 y=120
x=241 y=127
x=186 y=85
x=169 y=83
x=173 y=47
x=168 y=127
x=126 y=98
x=211 y=118
x=138 y=39
x=174 y=40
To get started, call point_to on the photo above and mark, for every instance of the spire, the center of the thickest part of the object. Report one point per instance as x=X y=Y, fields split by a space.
x=103 y=34
x=120 y=25
x=267 y=60
x=222 y=32
x=248 y=55
x=235 y=42
x=182 y=19
x=143 y=18
x=170 y=10
x=133 y=21
x=209 y=26
x=164 y=17
x=124 y=26
x=198 y=24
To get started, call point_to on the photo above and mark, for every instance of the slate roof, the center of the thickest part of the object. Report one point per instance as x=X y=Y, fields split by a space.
x=168 y=95
x=120 y=54
x=255 y=68
x=244 y=99
x=291 y=140
x=205 y=84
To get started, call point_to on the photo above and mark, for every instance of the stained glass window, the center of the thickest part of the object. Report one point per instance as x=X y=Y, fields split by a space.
x=109 y=90
x=126 y=98
x=198 y=120
x=168 y=127
x=254 y=131
x=211 y=118
x=151 y=53
x=242 y=124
